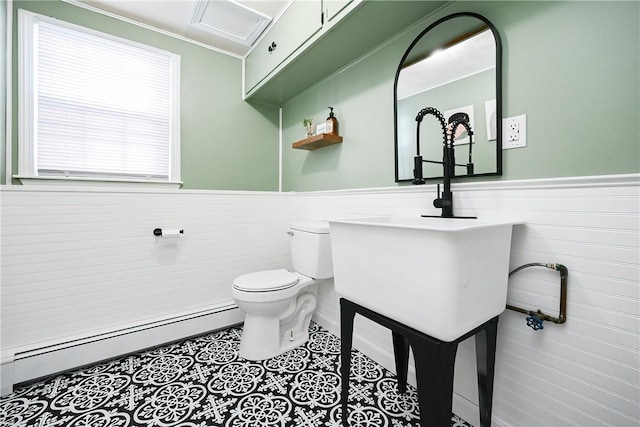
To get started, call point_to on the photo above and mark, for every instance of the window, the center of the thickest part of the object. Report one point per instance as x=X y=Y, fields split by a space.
x=95 y=107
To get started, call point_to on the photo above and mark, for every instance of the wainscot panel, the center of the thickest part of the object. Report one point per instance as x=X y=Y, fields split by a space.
x=81 y=264
x=584 y=372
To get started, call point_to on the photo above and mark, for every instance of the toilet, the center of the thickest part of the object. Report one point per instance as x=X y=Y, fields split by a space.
x=278 y=304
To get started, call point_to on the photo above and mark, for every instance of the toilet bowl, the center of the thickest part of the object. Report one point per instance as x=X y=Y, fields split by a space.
x=278 y=304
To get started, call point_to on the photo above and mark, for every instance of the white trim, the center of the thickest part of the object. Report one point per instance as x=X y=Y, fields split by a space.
x=8 y=90
x=175 y=171
x=25 y=93
x=71 y=180
x=621 y=180
x=149 y=27
x=280 y=151
x=142 y=189
x=243 y=94
x=616 y=180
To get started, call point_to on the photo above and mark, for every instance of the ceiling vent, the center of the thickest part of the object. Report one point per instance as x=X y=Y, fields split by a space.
x=231 y=20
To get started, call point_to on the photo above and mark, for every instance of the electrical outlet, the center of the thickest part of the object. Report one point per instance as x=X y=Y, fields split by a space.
x=514 y=131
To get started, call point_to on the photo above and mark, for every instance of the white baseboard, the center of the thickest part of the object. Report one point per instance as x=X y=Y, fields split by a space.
x=6 y=372
x=27 y=364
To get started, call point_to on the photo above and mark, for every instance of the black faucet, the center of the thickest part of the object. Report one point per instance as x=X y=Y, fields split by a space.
x=444 y=201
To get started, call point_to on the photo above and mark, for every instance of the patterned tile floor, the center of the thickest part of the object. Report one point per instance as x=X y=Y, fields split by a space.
x=203 y=382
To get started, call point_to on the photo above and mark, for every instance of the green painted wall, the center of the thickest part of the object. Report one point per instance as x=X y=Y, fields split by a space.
x=226 y=143
x=572 y=67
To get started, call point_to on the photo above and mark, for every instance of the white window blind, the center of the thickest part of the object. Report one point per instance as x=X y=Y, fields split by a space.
x=100 y=107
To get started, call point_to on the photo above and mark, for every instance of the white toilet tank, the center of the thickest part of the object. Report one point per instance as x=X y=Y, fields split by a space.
x=311 y=249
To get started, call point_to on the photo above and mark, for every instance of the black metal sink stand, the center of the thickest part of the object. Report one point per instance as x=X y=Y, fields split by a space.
x=435 y=362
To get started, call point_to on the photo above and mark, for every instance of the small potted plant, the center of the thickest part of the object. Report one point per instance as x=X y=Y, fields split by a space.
x=308 y=123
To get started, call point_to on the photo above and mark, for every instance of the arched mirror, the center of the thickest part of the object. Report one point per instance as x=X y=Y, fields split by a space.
x=453 y=66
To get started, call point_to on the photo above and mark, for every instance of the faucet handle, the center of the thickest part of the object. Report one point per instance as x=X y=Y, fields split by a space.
x=440 y=202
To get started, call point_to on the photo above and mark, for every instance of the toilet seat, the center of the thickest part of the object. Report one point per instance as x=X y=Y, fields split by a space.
x=266 y=281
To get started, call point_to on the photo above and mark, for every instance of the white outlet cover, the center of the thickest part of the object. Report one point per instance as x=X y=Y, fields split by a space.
x=514 y=132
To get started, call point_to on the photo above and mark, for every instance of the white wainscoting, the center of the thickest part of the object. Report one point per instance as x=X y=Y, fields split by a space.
x=582 y=373
x=80 y=265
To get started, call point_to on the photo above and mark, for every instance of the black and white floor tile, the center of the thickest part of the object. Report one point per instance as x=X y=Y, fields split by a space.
x=203 y=382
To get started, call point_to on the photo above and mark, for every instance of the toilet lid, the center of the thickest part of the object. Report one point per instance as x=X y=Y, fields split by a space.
x=264 y=281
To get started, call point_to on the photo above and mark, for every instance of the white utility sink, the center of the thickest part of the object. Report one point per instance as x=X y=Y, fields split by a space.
x=441 y=276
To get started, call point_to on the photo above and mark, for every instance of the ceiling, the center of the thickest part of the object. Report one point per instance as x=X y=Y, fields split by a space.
x=178 y=17
x=471 y=56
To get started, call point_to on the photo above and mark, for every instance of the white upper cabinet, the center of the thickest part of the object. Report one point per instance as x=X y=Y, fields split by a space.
x=314 y=38
x=333 y=8
x=299 y=22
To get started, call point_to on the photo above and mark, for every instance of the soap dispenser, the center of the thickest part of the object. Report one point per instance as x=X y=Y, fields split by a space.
x=332 y=123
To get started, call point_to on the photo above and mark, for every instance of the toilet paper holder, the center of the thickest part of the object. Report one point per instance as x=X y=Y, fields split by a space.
x=158 y=232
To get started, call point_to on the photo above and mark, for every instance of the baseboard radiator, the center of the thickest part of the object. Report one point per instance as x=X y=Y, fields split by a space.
x=28 y=364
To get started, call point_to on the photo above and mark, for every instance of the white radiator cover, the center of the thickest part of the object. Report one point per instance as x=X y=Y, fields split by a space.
x=57 y=355
x=83 y=263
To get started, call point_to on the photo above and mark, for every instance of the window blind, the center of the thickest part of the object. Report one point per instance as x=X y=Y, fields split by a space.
x=102 y=107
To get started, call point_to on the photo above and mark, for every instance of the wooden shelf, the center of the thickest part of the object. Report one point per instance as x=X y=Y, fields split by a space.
x=317 y=141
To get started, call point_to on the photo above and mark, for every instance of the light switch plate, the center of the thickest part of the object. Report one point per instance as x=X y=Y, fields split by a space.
x=514 y=132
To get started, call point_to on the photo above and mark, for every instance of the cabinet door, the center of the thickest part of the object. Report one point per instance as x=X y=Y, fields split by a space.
x=333 y=7
x=301 y=20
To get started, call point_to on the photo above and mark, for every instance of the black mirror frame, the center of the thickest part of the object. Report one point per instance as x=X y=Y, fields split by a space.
x=498 y=41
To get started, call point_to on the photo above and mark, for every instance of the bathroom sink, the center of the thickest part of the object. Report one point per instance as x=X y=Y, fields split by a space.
x=440 y=276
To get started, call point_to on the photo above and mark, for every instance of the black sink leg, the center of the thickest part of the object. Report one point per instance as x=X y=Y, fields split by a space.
x=401 y=353
x=485 y=361
x=434 y=375
x=346 y=338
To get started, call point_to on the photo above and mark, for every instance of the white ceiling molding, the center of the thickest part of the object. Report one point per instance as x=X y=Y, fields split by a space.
x=193 y=20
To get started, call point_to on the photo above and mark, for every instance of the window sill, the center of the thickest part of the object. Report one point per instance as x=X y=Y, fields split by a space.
x=102 y=182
